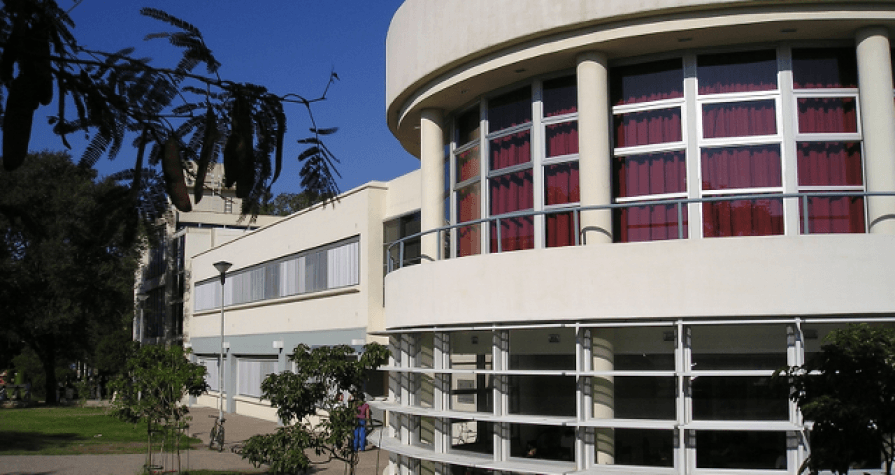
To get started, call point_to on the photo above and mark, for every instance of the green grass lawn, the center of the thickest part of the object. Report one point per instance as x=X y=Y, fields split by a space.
x=70 y=431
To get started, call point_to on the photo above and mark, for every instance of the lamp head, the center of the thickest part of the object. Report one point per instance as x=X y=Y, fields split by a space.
x=222 y=266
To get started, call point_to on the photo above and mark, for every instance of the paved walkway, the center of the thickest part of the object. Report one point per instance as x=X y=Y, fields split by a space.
x=238 y=429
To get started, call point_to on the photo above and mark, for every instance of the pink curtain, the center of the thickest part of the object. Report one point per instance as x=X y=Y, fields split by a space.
x=742 y=167
x=562 y=139
x=512 y=192
x=650 y=223
x=827 y=115
x=658 y=173
x=468 y=209
x=561 y=186
x=647 y=82
x=649 y=127
x=739 y=119
x=738 y=72
x=742 y=218
x=510 y=150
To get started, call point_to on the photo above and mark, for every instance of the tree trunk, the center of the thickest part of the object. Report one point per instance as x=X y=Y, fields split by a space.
x=48 y=359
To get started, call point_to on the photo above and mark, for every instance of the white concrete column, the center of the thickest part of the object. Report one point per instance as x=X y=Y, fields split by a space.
x=878 y=125
x=604 y=393
x=594 y=146
x=432 y=176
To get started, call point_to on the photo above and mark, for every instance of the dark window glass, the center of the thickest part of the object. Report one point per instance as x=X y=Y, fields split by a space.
x=468 y=126
x=647 y=82
x=654 y=448
x=510 y=109
x=739 y=398
x=737 y=72
x=824 y=68
x=743 y=450
x=560 y=96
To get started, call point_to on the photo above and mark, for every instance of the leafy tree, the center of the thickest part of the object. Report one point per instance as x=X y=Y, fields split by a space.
x=310 y=405
x=848 y=390
x=151 y=389
x=285 y=204
x=64 y=267
x=181 y=114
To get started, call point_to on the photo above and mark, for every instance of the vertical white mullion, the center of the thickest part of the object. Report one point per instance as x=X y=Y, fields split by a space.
x=585 y=440
x=484 y=168
x=789 y=128
x=686 y=451
x=692 y=134
x=500 y=357
x=538 y=152
x=442 y=354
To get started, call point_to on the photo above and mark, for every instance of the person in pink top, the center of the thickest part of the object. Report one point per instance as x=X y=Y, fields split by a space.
x=363 y=421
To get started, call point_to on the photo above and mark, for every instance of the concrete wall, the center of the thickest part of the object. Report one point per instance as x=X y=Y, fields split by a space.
x=741 y=277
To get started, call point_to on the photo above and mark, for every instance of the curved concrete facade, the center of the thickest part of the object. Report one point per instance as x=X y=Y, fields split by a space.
x=570 y=334
x=446 y=54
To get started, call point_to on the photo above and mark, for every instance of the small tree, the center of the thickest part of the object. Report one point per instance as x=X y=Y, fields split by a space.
x=848 y=390
x=309 y=403
x=151 y=389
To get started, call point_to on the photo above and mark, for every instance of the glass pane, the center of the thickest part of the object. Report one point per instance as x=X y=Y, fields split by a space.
x=833 y=214
x=512 y=192
x=510 y=150
x=547 y=349
x=738 y=347
x=424 y=357
x=737 y=72
x=828 y=115
x=542 y=395
x=424 y=390
x=743 y=218
x=562 y=139
x=645 y=397
x=644 y=349
x=739 y=399
x=653 y=448
x=561 y=183
x=651 y=223
x=647 y=82
x=560 y=96
x=513 y=234
x=739 y=119
x=742 y=167
x=468 y=164
x=824 y=68
x=423 y=431
x=542 y=442
x=471 y=351
x=830 y=164
x=560 y=229
x=510 y=109
x=651 y=174
x=743 y=450
x=469 y=209
x=472 y=436
x=648 y=127
x=468 y=126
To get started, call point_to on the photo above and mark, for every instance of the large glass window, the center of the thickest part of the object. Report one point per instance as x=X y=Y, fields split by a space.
x=398 y=228
x=471 y=391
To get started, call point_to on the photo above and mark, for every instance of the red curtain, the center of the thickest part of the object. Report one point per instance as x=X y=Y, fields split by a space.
x=512 y=192
x=648 y=127
x=742 y=167
x=650 y=223
x=827 y=115
x=468 y=209
x=562 y=139
x=561 y=186
x=738 y=119
x=652 y=174
x=832 y=164
x=510 y=150
x=468 y=164
x=742 y=218
x=739 y=72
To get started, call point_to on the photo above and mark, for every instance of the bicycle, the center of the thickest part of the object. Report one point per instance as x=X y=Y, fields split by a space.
x=217 y=433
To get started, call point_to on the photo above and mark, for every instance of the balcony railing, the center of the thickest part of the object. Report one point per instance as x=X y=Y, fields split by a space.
x=580 y=237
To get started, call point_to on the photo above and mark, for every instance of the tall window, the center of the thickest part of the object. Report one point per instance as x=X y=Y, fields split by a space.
x=560 y=122
x=398 y=228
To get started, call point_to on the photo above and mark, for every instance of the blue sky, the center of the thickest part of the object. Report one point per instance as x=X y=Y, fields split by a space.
x=285 y=45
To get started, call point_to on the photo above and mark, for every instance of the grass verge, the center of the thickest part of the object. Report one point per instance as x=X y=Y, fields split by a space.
x=70 y=431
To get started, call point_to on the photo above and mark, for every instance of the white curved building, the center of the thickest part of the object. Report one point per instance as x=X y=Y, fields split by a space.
x=664 y=201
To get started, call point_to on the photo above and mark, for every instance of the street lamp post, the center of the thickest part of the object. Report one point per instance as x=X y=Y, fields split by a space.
x=222 y=267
